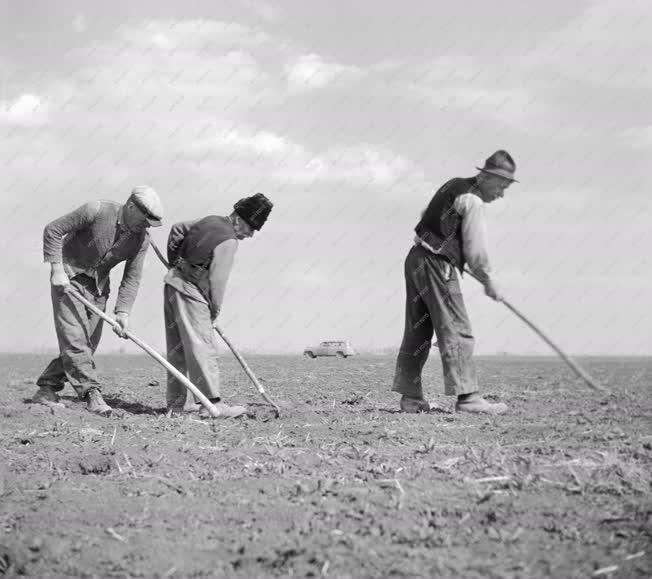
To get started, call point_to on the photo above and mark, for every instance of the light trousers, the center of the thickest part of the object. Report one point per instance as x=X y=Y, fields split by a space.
x=78 y=332
x=192 y=346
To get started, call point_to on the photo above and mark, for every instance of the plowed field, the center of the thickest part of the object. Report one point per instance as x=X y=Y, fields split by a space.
x=341 y=485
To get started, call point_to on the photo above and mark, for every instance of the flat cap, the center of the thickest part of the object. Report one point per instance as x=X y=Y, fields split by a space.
x=148 y=201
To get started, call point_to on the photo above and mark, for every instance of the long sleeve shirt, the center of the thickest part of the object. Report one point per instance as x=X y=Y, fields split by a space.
x=92 y=240
x=474 y=235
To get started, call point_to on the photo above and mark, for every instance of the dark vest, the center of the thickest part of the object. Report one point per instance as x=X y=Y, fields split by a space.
x=196 y=251
x=441 y=225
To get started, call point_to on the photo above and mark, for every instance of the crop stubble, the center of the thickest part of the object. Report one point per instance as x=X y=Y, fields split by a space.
x=342 y=485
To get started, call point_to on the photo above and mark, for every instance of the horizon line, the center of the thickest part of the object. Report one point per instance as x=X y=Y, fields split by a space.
x=376 y=352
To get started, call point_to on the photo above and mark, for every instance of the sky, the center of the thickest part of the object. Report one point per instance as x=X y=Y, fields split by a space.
x=348 y=116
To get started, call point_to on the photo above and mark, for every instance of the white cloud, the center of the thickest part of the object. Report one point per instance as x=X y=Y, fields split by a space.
x=158 y=67
x=261 y=143
x=199 y=35
x=363 y=164
x=310 y=71
x=79 y=23
x=162 y=41
x=282 y=159
x=28 y=110
x=638 y=137
x=360 y=165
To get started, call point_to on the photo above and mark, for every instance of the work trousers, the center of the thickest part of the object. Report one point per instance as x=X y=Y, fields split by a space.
x=78 y=333
x=434 y=303
x=191 y=346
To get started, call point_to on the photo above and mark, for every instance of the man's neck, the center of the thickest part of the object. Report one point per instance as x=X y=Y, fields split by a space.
x=475 y=189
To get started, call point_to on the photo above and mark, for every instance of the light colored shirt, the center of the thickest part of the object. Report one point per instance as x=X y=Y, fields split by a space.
x=187 y=288
x=474 y=236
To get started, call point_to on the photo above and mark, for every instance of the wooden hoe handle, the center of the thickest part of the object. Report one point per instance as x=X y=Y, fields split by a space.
x=214 y=412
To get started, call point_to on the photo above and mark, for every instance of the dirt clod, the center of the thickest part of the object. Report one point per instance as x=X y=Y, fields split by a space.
x=95 y=465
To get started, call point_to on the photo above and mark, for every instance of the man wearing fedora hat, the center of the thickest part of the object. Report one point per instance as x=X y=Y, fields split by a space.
x=201 y=254
x=450 y=234
x=82 y=247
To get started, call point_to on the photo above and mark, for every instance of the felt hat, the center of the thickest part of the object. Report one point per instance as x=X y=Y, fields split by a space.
x=500 y=164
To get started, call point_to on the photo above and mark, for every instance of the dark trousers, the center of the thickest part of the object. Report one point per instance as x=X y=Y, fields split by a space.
x=78 y=332
x=434 y=304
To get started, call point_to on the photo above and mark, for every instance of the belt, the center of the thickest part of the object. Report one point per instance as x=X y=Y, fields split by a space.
x=190 y=269
x=427 y=246
x=450 y=269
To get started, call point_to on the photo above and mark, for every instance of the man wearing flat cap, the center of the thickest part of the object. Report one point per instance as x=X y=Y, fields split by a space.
x=450 y=234
x=82 y=247
x=201 y=254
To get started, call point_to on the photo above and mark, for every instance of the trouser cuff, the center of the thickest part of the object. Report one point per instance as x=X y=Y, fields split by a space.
x=408 y=390
x=82 y=389
x=56 y=386
x=459 y=389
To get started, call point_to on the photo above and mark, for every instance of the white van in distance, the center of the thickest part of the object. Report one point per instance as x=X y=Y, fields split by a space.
x=341 y=349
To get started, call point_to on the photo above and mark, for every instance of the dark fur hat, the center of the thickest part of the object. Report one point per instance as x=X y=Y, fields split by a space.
x=254 y=210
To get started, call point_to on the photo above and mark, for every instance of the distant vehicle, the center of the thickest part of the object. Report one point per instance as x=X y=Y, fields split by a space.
x=341 y=349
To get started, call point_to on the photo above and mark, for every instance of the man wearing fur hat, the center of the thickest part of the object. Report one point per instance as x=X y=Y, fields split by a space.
x=450 y=234
x=201 y=254
x=82 y=247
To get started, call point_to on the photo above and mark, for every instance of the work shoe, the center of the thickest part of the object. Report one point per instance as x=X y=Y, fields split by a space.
x=180 y=405
x=478 y=405
x=414 y=405
x=96 y=404
x=46 y=395
x=173 y=411
x=176 y=411
x=225 y=411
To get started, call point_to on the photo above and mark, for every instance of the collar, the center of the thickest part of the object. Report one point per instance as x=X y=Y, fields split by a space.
x=121 y=226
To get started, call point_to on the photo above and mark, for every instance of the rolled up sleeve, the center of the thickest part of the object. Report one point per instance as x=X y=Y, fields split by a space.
x=474 y=235
x=55 y=231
